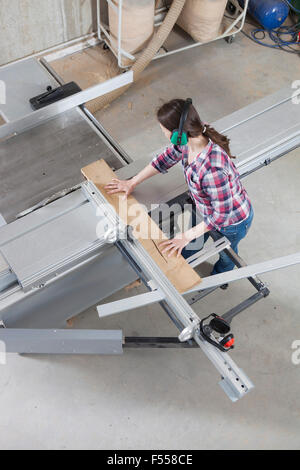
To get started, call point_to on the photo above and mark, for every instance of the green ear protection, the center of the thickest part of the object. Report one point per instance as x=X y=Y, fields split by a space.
x=179 y=137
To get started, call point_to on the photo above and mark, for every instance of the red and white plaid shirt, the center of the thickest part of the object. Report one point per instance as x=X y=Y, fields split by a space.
x=213 y=181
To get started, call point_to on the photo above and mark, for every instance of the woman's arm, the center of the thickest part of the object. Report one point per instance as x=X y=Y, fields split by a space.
x=127 y=186
x=159 y=164
x=167 y=159
x=196 y=232
x=181 y=240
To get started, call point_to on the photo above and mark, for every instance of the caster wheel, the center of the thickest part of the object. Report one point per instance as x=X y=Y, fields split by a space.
x=230 y=39
x=231 y=8
x=105 y=47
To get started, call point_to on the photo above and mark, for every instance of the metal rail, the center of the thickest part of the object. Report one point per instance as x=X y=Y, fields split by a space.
x=38 y=117
x=110 y=142
x=246 y=272
x=234 y=382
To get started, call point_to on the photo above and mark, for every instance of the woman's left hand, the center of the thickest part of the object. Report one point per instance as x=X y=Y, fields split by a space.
x=176 y=245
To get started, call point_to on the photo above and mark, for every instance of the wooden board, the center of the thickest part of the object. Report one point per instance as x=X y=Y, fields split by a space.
x=178 y=271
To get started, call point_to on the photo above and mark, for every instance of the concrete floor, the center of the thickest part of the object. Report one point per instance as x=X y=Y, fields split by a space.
x=170 y=399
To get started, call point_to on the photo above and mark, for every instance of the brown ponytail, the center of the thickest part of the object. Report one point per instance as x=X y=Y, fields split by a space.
x=169 y=115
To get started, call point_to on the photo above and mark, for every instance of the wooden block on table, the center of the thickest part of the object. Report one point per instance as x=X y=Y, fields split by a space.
x=178 y=271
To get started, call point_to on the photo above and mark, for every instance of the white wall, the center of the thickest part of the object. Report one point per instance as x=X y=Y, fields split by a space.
x=29 y=26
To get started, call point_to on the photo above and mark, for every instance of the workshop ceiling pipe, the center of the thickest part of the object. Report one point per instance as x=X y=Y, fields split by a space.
x=146 y=57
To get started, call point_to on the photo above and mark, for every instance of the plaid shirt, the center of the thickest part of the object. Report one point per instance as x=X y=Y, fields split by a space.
x=214 y=184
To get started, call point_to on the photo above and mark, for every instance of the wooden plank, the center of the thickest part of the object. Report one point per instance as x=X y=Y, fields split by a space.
x=178 y=271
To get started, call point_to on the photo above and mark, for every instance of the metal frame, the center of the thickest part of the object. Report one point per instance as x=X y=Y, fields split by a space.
x=260 y=287
x=103 y=31
x=29 y=341
x=199 y=258
x=247 y=272
x=233 y=380
x=221 y=243
x=110 y=142
x=169 y=342
x=35 y=118
x=286 y=146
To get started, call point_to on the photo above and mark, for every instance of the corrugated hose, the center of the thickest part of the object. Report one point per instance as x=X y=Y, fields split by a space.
x=153 y=47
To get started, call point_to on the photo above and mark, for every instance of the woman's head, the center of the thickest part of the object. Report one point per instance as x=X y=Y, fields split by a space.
x=169 y=115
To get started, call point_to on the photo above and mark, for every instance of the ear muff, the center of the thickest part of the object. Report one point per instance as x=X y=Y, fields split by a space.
x=176 y=140
x=179 y=137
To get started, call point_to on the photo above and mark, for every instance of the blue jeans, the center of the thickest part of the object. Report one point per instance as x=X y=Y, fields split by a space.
x=234 y=233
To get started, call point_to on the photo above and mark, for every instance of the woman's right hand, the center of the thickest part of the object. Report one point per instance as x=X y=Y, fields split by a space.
x=120 y=186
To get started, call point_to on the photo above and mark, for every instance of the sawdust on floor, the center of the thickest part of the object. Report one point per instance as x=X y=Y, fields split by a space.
x=88 y=67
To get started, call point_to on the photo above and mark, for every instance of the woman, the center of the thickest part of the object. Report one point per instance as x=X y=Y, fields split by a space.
x=212 y=178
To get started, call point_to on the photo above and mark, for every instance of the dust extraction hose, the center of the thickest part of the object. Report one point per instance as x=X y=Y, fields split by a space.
x=155 y=44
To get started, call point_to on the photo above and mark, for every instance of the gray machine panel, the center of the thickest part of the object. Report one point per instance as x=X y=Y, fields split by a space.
x=28 y=160
x=109 y=342
x=43 y=215
x=23 y=80
x=66 y=297
x=252 y=110
x=52 y=245
x=255 y=130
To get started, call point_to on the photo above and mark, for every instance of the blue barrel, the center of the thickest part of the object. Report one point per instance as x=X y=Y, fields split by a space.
x=269 y=13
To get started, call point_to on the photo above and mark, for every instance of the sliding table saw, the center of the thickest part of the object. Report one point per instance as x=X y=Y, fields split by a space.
x=53 y=266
